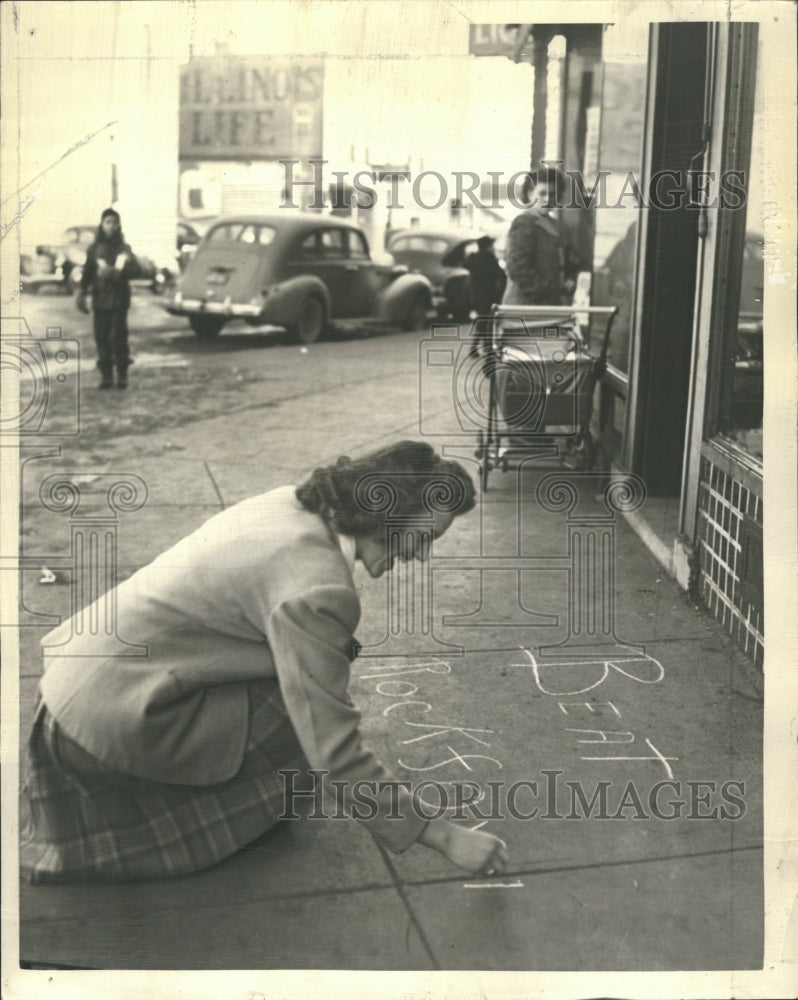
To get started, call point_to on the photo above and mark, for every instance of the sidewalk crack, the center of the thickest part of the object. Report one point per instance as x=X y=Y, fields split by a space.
x=215 y=486
x=412 y=918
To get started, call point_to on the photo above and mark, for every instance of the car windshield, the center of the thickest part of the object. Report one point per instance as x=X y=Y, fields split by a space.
x=243 y=232
x=426 y=244
x=80 y=234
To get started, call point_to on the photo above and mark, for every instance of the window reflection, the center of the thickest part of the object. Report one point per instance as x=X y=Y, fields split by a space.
x=625 y=60
x=743 y=422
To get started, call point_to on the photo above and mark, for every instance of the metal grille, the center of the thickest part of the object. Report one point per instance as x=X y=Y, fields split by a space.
x=723 y=504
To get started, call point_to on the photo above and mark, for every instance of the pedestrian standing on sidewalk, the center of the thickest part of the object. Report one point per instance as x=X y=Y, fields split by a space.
x=541 y=266
x=159 y=764
x=487 y=280
x=109 y=266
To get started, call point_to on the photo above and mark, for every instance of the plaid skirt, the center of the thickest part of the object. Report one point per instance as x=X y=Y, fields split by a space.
x=87 y=821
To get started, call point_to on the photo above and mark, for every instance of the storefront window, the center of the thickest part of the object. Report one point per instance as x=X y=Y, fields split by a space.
x=743 y=421
x=624 y=71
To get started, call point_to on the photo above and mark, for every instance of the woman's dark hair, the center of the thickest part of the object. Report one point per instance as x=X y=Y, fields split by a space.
x=407 y=478
x=544 y=175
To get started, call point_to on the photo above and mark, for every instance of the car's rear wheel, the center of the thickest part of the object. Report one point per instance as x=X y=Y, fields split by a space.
x=206 y=327
x=417 y=314
x=311 y=320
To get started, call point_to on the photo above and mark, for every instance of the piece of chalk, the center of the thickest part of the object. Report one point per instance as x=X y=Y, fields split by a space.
x=494 y=885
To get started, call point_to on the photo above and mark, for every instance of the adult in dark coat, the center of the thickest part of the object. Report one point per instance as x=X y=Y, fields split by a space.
x=110 y=264
x=487 y=281
x=537 y=259
x=486 y=274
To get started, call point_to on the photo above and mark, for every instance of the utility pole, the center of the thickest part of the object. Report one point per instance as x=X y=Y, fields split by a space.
x=541 y=36
x=114 y=178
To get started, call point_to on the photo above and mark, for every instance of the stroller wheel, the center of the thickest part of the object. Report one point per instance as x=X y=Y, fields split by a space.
x=484 y=460
x=589 y=451
x=580 y=455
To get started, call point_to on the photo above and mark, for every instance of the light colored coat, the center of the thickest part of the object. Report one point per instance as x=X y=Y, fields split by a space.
x=261 y=590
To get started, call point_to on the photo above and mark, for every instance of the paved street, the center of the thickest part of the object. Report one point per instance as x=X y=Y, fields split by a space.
x=654 y=877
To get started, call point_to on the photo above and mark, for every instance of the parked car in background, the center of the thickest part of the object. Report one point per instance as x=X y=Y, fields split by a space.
x=187 y=234
x=60 y=265
x=57 y=265
x=301 y=272
x=162 y=278
x=439 y=256
x=188 y=239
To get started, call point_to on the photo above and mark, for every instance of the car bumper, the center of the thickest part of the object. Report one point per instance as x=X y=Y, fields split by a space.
x=38 y=279
x=199 y=307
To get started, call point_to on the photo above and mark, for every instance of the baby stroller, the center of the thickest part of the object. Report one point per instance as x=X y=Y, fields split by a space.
x=541 y=380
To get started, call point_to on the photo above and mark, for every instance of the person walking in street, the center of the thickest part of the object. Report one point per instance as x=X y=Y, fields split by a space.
x=109 y=266
x=165 y=763
x=487 y=280
x=541 y=267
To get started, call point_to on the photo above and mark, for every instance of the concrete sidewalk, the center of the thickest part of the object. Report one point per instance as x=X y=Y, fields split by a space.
x=474 y=700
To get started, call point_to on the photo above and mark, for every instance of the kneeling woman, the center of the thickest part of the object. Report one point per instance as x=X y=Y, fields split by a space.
x=168 y=761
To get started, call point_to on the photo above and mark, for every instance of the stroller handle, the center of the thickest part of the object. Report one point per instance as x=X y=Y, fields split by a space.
x=510 y=311
x=499 y=312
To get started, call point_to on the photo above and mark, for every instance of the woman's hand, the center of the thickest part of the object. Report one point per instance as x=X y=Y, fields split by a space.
x=475 y=850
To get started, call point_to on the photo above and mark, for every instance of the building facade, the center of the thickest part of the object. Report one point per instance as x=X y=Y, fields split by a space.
x=664 y=128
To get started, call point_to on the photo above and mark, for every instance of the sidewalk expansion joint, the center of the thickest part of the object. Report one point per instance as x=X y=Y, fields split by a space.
x=561 y=869
x=215 y=485
x=400 y=888
x=179 y=907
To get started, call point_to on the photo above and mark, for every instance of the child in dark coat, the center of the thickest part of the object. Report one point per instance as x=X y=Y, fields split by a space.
x=110 y=264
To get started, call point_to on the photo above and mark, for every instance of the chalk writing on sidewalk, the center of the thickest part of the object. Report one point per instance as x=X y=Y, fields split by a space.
x=392 y=683
x=460 y=758
x=445 y=744
x=643 y=669
x=589 y=706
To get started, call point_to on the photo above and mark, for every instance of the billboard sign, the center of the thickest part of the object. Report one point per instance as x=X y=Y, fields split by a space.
x=251 y=107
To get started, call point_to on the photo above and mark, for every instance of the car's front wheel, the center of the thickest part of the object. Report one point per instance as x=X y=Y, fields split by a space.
x=417 y=314
x=206 y=327
x=311 y=320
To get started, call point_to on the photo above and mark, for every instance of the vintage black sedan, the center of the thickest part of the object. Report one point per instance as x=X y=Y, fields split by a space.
x=298 y=271
x=439 y=255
